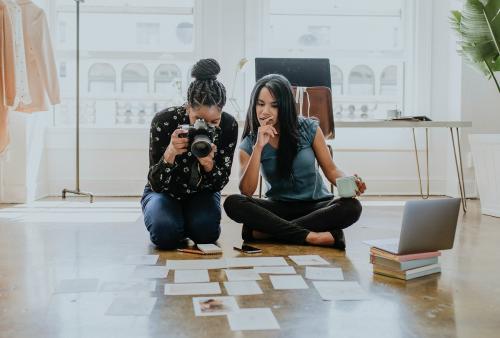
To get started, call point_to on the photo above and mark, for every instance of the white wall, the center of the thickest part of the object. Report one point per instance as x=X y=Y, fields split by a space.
x=114 y=161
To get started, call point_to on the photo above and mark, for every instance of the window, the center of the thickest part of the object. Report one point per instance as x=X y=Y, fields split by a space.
x=62 y=31
x=135 y=79
x=134 y=59
x=148 y=33
x=369 y=43
x=62 y=70
x=184 y=32
x=337 y=80
x=102 y=78
x=168 y=81
x=389 y=81
x=361 y=81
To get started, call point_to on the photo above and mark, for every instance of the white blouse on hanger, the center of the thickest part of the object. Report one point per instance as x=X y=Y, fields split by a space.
x=22 y=86
x=40 y=61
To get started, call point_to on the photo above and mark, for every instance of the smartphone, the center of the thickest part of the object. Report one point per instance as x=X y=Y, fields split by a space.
x=248 y=249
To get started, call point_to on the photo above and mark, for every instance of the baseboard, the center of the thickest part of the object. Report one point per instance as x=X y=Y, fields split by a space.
x=491 y=212
x=135 y=187
x=100 y=187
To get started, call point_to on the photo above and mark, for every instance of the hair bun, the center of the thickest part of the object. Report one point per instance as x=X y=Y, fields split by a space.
x=205 y=69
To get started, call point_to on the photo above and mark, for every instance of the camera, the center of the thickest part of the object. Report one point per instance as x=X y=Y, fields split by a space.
x=200 y=135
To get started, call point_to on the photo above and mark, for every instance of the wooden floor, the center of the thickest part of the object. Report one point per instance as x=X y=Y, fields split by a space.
x=50 y=241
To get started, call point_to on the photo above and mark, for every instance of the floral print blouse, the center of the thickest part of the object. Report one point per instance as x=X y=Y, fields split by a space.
x=185 y=176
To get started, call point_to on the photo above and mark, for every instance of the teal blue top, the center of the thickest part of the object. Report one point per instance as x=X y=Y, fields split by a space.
x=306 y=182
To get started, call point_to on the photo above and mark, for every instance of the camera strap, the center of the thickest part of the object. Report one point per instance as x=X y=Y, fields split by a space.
x=195 y=177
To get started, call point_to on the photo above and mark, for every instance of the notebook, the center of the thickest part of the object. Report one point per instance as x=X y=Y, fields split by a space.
x=203 y=249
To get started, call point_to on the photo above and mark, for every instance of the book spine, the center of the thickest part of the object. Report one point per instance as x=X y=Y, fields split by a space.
x=388 y=273
x=424 y=273
x=404 y=258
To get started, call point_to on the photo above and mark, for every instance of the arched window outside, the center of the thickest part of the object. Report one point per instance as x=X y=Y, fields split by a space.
x=168 y=80
x=389 y=81
x=184 y=32
x=337 y=80
x=361 y=81
x=102 y=78
x=135 y=79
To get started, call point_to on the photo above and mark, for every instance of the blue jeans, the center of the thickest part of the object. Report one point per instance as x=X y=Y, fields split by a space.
x=170 y=221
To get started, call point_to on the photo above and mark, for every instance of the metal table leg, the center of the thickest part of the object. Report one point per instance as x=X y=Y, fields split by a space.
x=426 y=196
x=460 y=173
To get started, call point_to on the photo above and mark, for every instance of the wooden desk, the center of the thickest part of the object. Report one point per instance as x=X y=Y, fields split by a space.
x=453 y=126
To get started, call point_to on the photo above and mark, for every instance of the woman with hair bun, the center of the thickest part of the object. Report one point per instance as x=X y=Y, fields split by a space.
x=190 y=156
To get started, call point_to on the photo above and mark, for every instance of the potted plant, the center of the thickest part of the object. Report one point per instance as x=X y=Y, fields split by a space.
x=478 y=28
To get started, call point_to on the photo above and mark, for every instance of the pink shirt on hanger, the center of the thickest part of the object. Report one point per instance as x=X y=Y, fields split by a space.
x=7 y=73
x=7 y=61
x=40 y=62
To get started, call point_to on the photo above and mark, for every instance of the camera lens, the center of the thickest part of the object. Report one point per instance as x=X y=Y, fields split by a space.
x=201 y=146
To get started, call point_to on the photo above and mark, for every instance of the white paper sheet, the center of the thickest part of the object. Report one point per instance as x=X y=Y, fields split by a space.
x=324 y=273
x=243 y=288
x=308 y=260
x=149 y=271
x=128 y=286
x=196 y=264
x=241 y=274
x=252 y=319
x=341 y=290
x=131 y=306
x=277 y=270
x=192 y=289
x=191 y=276
x=141 y=259
x=241 y=262
x=214 y=306
x=288 y=282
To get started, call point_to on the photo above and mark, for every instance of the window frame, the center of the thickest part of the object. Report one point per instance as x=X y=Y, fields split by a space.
x=414 y=61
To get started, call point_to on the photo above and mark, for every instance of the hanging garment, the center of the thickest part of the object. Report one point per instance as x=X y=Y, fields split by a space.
x=22 y=88
x=7 y=73
x=40 y=63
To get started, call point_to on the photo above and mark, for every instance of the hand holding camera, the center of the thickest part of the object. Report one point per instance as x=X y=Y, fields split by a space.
x=196 y=138
x=207 y=162
x=178 y=145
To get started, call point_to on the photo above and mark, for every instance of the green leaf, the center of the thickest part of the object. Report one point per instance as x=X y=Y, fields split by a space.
x=478 y=29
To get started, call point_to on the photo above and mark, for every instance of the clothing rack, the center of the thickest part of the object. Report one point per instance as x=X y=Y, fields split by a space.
x=77 y=191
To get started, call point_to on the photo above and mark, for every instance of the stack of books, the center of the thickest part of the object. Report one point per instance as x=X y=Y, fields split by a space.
x=404 y=267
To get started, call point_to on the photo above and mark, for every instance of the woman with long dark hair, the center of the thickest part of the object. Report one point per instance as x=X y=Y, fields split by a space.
x=187 y=172
x=299 y=208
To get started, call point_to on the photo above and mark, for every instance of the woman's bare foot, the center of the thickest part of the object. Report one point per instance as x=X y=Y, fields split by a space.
x=260 y=235
x=320 y=238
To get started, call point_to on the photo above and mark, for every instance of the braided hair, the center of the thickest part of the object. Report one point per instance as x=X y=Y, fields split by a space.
x=205 y=90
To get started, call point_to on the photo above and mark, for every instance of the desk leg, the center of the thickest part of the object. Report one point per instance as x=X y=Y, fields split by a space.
x=460 y=173
x=426 y=196
x=331 y=155
x=260 y=186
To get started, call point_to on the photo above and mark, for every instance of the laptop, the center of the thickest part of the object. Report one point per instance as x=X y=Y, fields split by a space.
x=428 y=225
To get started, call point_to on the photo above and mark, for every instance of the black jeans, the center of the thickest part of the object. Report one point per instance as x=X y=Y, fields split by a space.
x=292 y=221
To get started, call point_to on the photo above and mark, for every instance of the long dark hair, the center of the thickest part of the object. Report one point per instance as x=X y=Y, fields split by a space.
x=205 y=90
x=281 y=90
